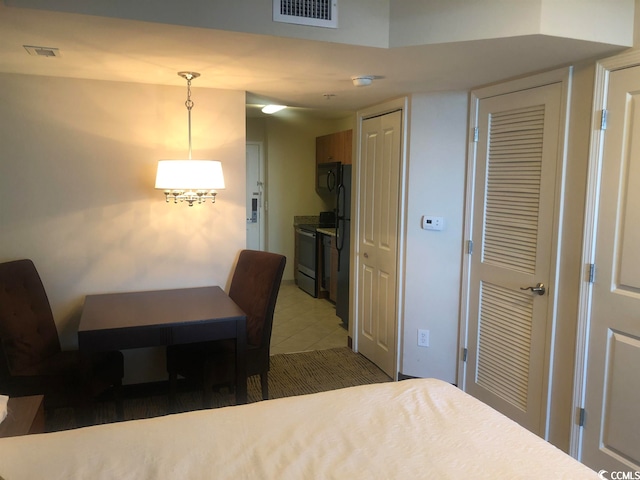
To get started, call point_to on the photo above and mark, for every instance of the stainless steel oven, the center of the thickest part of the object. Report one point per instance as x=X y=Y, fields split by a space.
x=307 y=260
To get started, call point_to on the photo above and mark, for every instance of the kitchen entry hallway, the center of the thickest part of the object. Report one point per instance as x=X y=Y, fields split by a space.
x=302 y=323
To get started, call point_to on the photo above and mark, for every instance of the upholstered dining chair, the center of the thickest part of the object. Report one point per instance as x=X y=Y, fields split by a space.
x=31 y=359
x=254 y=288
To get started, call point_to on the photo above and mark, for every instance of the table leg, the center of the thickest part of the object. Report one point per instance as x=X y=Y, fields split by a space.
x=241 y=361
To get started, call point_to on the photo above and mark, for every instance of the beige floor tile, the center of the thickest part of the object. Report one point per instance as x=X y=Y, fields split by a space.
x=303 y=323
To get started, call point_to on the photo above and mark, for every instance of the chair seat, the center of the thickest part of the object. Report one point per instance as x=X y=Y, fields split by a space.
x=216 y=359
x=68 y=378
x=254 y=288
x=189 y=360
x=31 y=359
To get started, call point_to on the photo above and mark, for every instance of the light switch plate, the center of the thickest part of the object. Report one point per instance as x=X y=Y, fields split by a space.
x=429 y=222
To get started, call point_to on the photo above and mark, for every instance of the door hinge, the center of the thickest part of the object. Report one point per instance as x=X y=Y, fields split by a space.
x=581 y=414
x=592 y=273
x=464 y=354
x=603 y=119
x=475 y=134
x=469 y=247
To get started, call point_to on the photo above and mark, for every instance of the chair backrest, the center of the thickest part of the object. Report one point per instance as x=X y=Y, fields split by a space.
x=254 y=287
x=28 y=333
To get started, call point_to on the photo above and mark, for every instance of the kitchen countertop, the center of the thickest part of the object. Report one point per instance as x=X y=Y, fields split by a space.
x=305 y=220
x=311 y=220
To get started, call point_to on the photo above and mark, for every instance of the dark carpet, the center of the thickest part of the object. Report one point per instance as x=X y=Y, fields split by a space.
x=291 y=374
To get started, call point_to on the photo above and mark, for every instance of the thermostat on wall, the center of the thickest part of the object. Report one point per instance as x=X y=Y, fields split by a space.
x=429 y=222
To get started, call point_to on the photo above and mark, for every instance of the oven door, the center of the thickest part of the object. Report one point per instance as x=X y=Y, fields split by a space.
x=307 y=261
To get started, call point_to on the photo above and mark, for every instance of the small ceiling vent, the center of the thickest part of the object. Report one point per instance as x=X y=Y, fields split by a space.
x=318 y=13
x=42 y=51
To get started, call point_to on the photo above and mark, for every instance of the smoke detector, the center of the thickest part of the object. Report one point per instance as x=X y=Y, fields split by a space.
x=362 y=80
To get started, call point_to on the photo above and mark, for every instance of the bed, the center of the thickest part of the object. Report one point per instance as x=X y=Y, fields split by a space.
x=422 y=428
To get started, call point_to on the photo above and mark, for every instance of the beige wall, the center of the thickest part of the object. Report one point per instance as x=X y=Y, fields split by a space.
x=421 y=22
x=435 y=186
x=77 y=172
x=290 y=143
x=636 y=20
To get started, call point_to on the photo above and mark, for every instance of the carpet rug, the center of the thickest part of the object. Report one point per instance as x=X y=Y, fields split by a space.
x=291 y=374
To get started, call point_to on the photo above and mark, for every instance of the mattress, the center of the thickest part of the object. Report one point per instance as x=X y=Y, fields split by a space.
x=421 y=428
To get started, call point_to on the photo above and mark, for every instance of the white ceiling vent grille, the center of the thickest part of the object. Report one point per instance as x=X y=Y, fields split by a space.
x=42 y=51
x=318 y=13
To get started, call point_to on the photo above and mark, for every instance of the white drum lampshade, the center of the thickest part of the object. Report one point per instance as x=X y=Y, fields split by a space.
x=189 y=175
x=191 y=181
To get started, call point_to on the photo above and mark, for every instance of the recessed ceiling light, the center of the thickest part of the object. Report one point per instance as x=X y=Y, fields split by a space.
x=273 y=108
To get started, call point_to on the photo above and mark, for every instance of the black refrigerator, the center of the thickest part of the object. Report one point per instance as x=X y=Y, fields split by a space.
x=343 y=241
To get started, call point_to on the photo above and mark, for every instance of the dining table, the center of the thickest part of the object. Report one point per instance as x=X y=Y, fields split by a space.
x=127 y=320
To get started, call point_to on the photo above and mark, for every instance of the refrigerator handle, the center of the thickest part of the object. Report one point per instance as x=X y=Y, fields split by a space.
x=340 y=235
x=339 y=238
x=340 y=215
x=340 y=221
x=340 y=199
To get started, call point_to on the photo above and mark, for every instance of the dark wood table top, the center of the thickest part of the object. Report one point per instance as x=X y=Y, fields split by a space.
x=157 y=307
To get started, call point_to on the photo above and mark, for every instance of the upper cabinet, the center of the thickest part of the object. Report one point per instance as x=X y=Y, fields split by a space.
x=335 y=147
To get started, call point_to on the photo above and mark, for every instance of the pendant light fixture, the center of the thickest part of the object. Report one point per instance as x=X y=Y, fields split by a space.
x=191 y=181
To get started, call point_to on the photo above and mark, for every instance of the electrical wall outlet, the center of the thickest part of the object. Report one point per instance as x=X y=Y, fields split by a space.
x=423 y=337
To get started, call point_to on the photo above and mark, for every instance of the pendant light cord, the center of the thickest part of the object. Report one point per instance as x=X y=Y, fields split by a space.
x=189 y=104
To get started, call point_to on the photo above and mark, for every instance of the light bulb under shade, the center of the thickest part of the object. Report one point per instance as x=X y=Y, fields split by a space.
x=189 y=175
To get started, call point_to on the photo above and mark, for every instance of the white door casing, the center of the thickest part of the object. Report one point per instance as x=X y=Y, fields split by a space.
x=255 y=197
x=607 y=379
x=513 y=218
x=379 y=222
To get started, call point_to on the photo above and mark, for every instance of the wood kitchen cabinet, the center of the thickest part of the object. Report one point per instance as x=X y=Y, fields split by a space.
x=335 y=147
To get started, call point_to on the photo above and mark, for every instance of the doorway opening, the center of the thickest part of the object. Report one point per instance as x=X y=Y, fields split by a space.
x=255 y=197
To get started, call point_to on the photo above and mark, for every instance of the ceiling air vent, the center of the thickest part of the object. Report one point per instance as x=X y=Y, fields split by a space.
x=42 y=51
x=318 y=13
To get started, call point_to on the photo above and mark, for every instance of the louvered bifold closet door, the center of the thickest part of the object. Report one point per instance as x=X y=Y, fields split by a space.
x=514 y=189
x=510 y=241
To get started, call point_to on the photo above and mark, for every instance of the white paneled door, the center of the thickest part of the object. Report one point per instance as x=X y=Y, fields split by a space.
x=611 y=437
x=510 y=271
x=379 y=177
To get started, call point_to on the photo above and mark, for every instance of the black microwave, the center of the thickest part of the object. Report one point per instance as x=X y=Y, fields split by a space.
x=328 y=177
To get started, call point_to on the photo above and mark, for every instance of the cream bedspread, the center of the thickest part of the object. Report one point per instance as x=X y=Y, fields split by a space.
x=407 y=430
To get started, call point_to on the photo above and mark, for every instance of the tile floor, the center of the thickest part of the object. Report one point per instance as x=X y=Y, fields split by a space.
x=303 y=323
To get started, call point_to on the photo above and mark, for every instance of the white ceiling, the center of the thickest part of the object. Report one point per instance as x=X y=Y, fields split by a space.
x=271 y=69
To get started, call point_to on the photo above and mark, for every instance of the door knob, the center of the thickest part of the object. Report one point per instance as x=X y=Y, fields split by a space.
x=539 y=289
x=366 y=255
